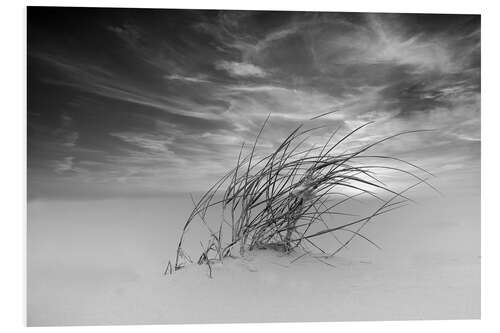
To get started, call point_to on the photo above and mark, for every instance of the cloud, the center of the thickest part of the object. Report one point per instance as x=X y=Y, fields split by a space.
x=86 y=78
x=65 y=165
x=240 y=69
x=71 y=139
x=148 y=142
x=66 y=133
x=252 y=50
x=186 y=78
x=390 y=45
x=128 y=33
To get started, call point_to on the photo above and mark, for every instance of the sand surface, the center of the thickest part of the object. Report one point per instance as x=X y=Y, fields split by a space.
x=101 y=262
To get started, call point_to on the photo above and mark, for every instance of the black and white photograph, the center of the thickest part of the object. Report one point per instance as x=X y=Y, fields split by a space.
x=195 y=166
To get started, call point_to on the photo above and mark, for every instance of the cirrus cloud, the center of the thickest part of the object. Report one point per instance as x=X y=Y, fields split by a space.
x=240 y=68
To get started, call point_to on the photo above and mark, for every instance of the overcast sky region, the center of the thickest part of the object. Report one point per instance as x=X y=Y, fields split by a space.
x=138 y=102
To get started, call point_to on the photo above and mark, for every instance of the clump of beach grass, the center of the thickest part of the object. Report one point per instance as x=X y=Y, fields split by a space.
x=283 y=201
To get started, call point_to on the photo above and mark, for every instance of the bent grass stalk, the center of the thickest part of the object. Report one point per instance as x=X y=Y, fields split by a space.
x=280 y=200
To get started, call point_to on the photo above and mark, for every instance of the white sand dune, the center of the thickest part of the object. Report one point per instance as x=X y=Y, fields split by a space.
x=101 y=262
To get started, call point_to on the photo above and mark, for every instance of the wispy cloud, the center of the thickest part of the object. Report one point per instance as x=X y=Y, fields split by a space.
x=65 y=165
x=186 y=78
x=146 y=141
x=240 y=68
x=83 y=77
x=128 y=33
x=66 y=133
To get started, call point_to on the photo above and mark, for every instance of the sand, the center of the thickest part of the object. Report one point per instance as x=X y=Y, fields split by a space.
x=101 y=262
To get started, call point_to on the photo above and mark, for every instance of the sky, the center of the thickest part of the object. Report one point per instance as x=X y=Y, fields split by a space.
x=147 y=102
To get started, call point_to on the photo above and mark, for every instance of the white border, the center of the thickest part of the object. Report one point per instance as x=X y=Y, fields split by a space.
x=470 y=7
x=13 y=160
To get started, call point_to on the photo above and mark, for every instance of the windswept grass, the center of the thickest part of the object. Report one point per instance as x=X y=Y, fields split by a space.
x=285 y=199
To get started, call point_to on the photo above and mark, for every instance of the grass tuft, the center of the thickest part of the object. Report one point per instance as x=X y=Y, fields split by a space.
x=288 y=198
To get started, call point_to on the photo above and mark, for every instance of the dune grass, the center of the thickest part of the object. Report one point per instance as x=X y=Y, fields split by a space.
x=286 y=199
